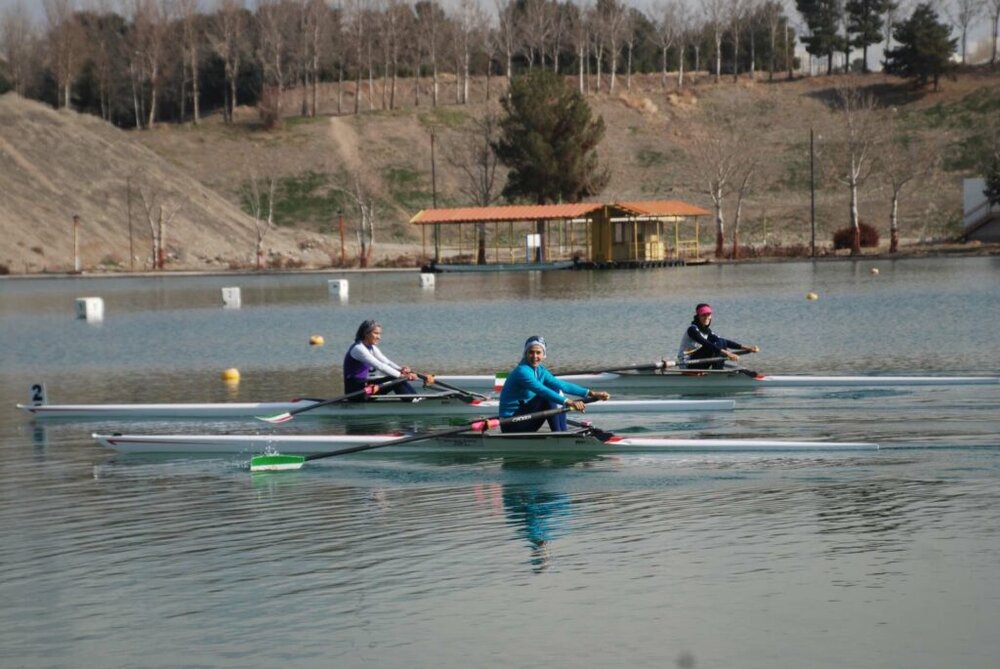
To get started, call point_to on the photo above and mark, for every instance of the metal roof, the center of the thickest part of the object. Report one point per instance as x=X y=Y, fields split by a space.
x=662 y=208
x=548 y=212
x=527 y=212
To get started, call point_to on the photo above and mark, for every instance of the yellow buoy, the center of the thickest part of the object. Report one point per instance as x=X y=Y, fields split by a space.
x=231 y=375
x=812 y=296
x=874 y=270
x=316 y=340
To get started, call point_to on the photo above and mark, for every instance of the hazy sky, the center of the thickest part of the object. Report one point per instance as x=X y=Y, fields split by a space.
x=979 y=31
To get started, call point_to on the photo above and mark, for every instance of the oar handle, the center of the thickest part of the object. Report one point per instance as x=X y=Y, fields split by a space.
x=448 y=386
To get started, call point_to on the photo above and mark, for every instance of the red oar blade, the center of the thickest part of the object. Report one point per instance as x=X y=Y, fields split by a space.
x=277 y=418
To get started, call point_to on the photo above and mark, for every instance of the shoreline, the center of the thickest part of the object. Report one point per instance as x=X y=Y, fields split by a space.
x=980 y=250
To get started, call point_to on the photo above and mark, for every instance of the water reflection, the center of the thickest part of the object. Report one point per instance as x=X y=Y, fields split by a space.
x=539 y=516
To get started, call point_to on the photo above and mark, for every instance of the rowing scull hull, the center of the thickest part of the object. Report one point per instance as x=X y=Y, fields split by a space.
x=728 y=380
x=388 y=407
x=539 y=443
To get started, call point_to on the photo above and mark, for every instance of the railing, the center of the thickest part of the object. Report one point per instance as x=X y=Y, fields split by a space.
x=979 y=213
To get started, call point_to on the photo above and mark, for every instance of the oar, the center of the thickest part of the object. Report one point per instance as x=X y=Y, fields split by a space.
x=663 y=364
x=278 y=462
x=468 y=394
x=367 y=390
x=627 y=368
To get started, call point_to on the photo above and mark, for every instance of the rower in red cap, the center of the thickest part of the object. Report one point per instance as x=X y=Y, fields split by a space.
x=699 y=342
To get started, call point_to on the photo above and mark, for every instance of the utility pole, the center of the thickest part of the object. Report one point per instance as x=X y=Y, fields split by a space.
x=434 y=204
x=812 y=194
x=76 y=243
x=128 y=209
x=340 y=216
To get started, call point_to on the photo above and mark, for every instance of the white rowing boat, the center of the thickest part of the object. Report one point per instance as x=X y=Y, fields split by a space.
x=727 y=379
x=429 y=405
x=583 y=441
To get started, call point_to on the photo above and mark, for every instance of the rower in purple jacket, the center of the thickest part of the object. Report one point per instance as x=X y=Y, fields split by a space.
x=364 y=358
x=700 y=342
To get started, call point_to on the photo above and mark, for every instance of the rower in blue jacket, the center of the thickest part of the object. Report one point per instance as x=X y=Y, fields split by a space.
x=700 y=342
x=530 y=387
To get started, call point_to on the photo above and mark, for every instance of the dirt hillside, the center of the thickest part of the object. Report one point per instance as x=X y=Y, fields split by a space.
x=56 y=163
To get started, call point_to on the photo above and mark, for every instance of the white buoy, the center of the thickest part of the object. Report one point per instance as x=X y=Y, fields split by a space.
x=812 y=296
x=90 y=308
x=231 y=298
x=338 y=288
x=874 y=270
x=426 y=280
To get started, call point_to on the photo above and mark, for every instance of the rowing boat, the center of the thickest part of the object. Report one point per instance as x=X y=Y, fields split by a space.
x=582 y=441
x=429 y=405
x=725 y=379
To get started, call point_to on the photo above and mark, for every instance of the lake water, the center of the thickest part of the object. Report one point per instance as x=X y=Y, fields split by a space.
x=852 y=559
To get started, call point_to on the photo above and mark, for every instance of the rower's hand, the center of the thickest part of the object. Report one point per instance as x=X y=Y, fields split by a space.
x=410 y=376
x=732 y=356
x=428 y=379
x=599 y=395
x=753 y=349
x=576 y=405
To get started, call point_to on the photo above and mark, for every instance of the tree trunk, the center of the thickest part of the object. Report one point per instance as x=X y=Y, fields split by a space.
x=894 y=225
x=855 y=222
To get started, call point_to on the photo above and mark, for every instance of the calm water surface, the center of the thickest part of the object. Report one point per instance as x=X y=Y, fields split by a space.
x=863 y=559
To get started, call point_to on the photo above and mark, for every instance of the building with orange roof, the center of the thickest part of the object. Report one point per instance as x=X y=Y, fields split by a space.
x=620 y=234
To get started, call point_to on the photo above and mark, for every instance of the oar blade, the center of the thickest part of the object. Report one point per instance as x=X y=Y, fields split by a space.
x=275 y=419
x=276 y=463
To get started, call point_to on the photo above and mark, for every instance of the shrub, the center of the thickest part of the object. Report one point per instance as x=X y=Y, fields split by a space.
x=843 y=238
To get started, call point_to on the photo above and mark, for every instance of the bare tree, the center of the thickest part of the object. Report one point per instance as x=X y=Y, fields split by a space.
x=576 y=28
x=228 y=40
x=160 y=211
x=721 y=145
x=994 y=9
x=963 y=14
x=903 y=160
x=772 y=13
x=508 y=33
x=257 y=195
x=737 y=14
x=716 y=13
x=193 y=45
x=745 y=180
x=275 y=23
x=855 y=147
x=17 y=36
x=474 y=157
x=151 y=25
x=361 y=194
x=613 y=21
x=666 y=24
x=431 y=21
x=65 y=43
x=536 y=29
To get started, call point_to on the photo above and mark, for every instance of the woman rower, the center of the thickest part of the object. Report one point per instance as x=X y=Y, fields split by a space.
x=700 y=342
x=530 y=387
x=364 y=358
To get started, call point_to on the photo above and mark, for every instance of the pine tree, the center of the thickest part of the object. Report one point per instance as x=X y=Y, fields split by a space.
x=865 y=22
x=924 y=50
x=823 y=19
x=548 y=140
